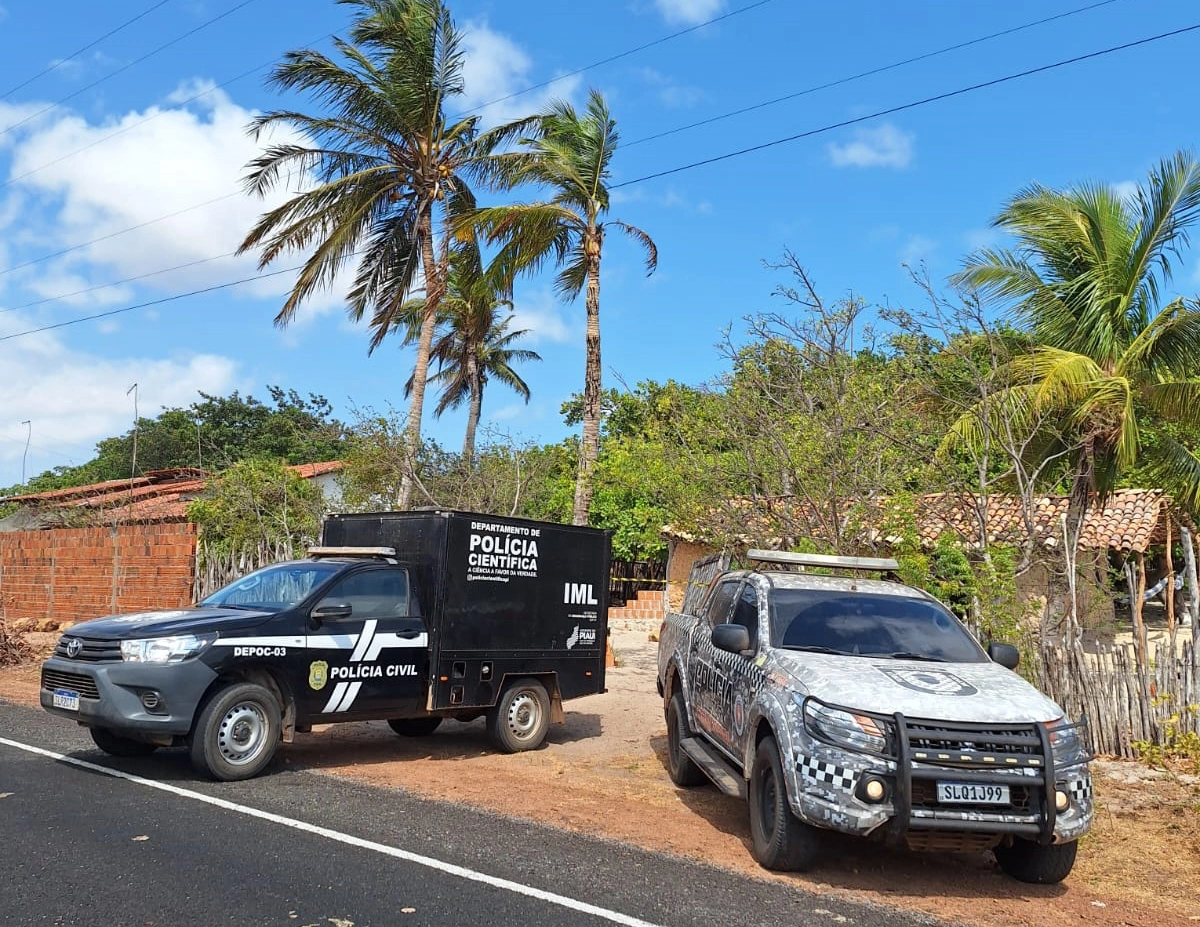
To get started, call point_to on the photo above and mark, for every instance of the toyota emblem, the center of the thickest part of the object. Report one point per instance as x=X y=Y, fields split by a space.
x=74 y=645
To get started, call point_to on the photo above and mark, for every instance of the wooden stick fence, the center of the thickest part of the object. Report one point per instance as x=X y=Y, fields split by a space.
x=1124 y=699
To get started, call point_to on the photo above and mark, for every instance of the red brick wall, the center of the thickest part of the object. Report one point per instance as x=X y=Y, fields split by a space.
x=66 y=575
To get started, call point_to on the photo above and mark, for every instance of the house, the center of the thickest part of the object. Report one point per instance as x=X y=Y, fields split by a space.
x=119 y=546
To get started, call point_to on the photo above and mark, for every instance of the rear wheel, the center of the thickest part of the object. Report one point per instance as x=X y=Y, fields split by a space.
x=1026 y=861
x=680 y=768
x=237 y=732
x=116 y=745
x=414 y=727
x=521 y=716
x=779 y=839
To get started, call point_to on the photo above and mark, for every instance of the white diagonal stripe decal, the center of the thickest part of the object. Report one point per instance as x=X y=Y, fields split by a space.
x=338 y=691
x=351 y=694
x=364 y=640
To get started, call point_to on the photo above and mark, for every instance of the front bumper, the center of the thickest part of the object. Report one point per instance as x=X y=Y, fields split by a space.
x=110 y=694
x=830 y=784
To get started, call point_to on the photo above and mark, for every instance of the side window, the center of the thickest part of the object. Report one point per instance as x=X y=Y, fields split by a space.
x=745 y=612
x=373 y=594
x=721 y=603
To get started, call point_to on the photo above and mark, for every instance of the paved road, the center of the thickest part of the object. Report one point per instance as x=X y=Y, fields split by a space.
x=81 y=847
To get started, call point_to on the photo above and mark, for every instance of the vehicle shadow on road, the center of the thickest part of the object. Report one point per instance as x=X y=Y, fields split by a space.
x=858 y=864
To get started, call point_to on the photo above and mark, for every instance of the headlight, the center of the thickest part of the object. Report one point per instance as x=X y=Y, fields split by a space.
x=845 y=728
x=165 y=649
x=1067 y=744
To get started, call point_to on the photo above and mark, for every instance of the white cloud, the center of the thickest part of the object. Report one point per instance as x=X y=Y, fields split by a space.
x=917 y=249
x=75 y=399
x=883 y=146
x=542 y=314
x=1126 y=189
x=494 y=68
x=669 y=92
x=156 y=167
x=689 y=12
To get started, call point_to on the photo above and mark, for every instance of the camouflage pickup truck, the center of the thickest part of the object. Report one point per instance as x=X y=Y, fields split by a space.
x=832 y=701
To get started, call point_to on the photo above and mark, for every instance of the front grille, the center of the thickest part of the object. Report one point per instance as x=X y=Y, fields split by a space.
x=93 y=650
x=76 y=682
x=975 y=747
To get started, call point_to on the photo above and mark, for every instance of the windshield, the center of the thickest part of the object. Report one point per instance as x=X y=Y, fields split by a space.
x=869 y=625
x=276 y=587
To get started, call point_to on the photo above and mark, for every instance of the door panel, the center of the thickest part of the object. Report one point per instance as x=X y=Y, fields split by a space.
x=374 y=662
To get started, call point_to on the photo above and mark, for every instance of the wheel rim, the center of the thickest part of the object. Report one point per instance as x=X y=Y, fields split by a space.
x=524 y=715
x=242 y=734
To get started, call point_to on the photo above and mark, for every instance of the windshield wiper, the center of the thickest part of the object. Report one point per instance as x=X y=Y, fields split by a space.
x=815 y=649
x=908 y=655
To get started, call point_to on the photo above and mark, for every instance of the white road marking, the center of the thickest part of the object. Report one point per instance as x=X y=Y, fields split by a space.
x=428 y=862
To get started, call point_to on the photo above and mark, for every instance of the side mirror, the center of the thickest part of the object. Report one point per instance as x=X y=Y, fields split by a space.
x=1005 y=654
x=330 y=611
x=731 y=637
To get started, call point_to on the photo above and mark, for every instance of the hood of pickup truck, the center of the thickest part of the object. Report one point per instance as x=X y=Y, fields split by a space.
x=168 y=623
x=968 y=692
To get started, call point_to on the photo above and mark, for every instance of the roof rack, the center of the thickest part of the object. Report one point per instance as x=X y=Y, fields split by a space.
x=827 y=561
x=388 y=553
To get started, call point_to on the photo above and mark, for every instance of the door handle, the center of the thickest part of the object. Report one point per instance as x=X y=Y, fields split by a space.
x=409 y=634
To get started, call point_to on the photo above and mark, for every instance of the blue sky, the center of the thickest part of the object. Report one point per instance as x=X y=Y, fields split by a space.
x=854 y=204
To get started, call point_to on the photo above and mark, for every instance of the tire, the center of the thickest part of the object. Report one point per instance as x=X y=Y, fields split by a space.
x=680 y=768
x=237 y=732
x=1031 y=862
x=414 y=727
x=779 y=840
x=521 y=717
x=116 y=745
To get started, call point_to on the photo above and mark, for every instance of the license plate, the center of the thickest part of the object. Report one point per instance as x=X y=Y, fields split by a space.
x=65 y=698
x=971 y=793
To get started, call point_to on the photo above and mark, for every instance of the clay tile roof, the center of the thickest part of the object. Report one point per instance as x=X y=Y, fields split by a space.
x=1131 y=520
x=309 y=470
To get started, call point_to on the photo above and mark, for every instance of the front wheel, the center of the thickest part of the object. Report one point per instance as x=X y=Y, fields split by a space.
x=237 y=732
x=116 y=745
x=414 y=727
x=1031 y=862
x=680 y=767
x=521 y=717
x=778 y=838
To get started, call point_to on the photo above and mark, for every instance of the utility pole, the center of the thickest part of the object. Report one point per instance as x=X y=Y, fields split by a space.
x=133 y=465
x=28 y=423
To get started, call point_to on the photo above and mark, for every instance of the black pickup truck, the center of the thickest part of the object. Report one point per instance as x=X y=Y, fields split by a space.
x=410 y=617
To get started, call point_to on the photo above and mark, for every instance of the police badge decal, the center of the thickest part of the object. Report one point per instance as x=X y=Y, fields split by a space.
x=318 y=675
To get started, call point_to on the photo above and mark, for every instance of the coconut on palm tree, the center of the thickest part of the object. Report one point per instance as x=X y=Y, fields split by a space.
x=569 y=155
x=475 y=344
x=1087 y=278
x=385 y=164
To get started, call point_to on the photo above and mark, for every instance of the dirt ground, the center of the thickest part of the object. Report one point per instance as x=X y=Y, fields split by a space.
x=602 y=773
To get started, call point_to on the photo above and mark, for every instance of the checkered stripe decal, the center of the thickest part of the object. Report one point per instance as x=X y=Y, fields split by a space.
x=826 y=773
x=1080 y=789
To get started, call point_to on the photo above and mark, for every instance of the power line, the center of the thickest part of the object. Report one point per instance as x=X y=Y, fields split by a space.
x=676 y=170
x=627 y=53
x=181 y=105
x=112 y=283
x=152 y=302
x=126 y=67
x=905 y=106
x=75 y=54
x=132 y=228
x=873 y=71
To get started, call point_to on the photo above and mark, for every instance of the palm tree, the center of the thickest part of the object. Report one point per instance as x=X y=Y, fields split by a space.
x=569 y=154
x=475 y=344
x=1086 y=278
x=386 y=164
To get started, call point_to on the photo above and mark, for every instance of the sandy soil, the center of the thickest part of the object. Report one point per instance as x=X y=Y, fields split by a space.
x=602 y=773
